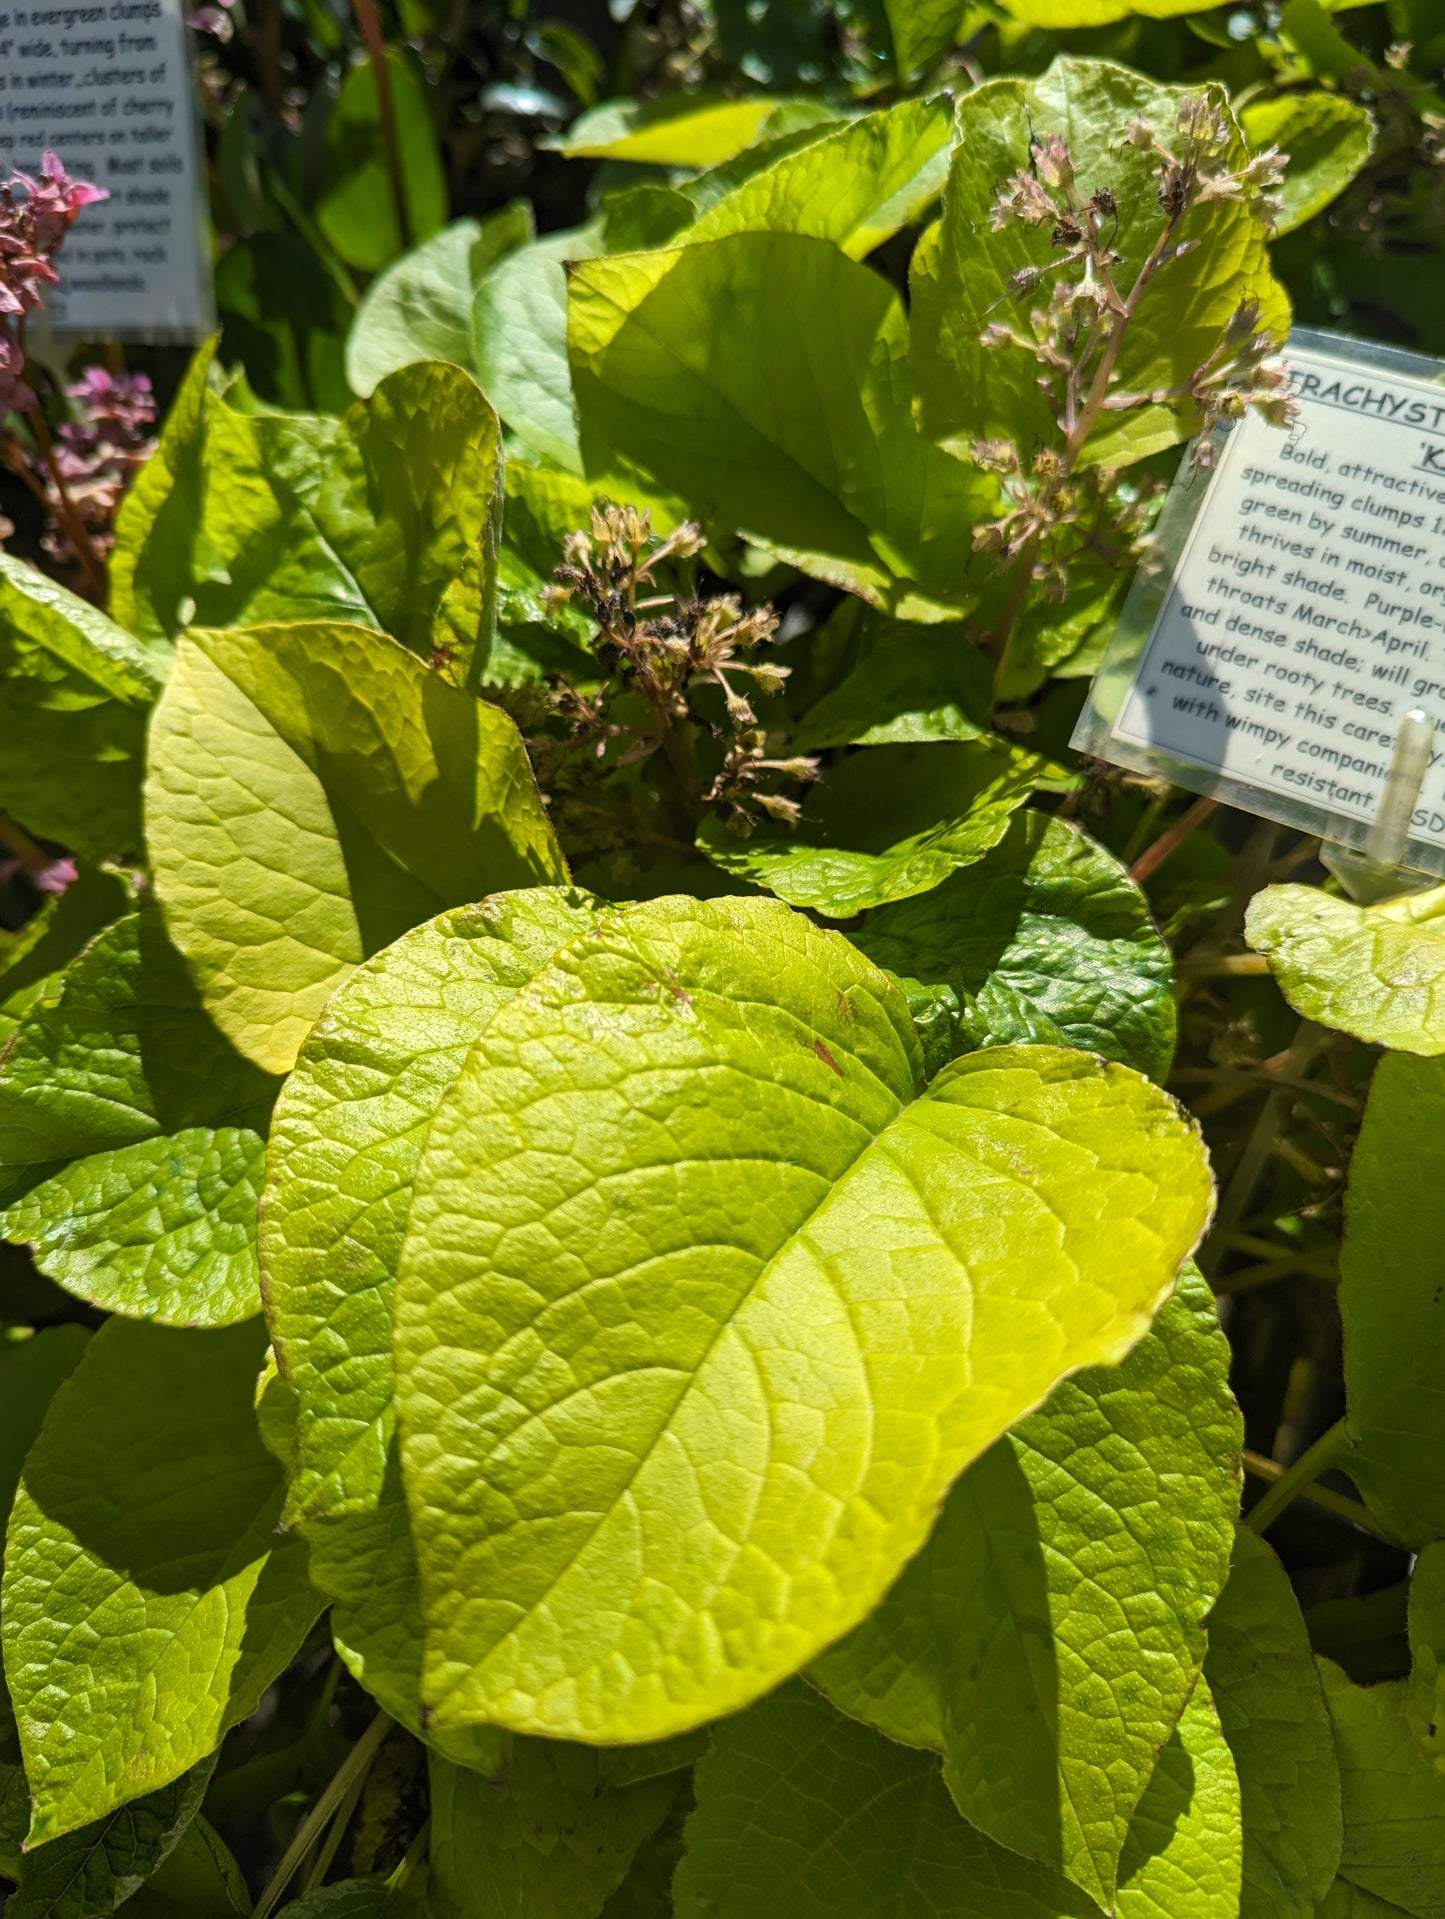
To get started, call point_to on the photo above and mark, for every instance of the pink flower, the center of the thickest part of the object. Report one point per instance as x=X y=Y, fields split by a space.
x=55 y=200
x=15 y=395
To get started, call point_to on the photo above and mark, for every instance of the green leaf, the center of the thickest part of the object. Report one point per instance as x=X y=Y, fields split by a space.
x=1273 y=1713
x=386 y=518
x=549 y=1835
x=1391 y=1302
x=149 y=566
x=200 y=1880
x=30 y=1371
x=1328 y=140
x=1425 y=1695
x=883 y=825
x=856 y=185
x=1394 y=1799
x=91 y=1872
x=909 y=684
x=357 y=208
x=1184 y=1849
x=1344 y=1901
x=355 y=1899
x=346 y=1138
x=1377 y=972
x=148 y=1601
x=1068 y=14
x=646 y=1892
x=519 y=343
x=640 y=1204
x=683 y=129
x=921 y=30
x=313 y=792
x=163 y=1230
x=420 y=308
x=284 y=319
x=1045 y=938
x=803 y=1814
x=764 y=378
x=962 y=270
x=76 y=690
x=1048 y=1636
x=33 y=957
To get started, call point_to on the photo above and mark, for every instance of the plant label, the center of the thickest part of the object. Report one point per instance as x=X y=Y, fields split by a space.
x=1299 y=613
x=106 y=85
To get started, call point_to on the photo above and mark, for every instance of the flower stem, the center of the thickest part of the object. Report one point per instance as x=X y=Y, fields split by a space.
x=369 y=21
x=353 y=1768
x=1328 y=1450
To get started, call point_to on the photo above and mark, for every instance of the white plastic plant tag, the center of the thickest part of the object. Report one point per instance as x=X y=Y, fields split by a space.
x=1298 y=613
x=106 y=85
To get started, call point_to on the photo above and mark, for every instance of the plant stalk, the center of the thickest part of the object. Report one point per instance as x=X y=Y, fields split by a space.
x=355 y=1766
x=1328 y=1450
x=368 y=19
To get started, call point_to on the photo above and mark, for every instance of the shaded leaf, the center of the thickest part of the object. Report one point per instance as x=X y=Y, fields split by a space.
x=148 y=1601
x=921 y=30
x=883 y=825
x=1273 y=1712
x=638 y=1206
x=1045 y=938
x=910 y=683
x=76 y=690
x=91 y=1872
x=519 y=343
x=1394 y=1799
x=789 y=364
x=1377 y=972
x=962 y=271
x=1392 y=1302
x=200 y=1880
x=547 y=1835
x=313 y=792
x=357 y=208
x=30 y=1371
x=1048 y=1636
x=284 y=319
x=1425 y=1695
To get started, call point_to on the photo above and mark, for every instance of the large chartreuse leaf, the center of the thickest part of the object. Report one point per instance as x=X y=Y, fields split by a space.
x=672 y=1416
x=962 y=271
x=684 y=129
x=148 y=1599
x=1391 y=1298
x=121 y=1073
x=1328 y=139
x=764 y=377
x=1375 y=971
x=357 y=206
x=1273 y=1712
x=1425 y=1698
x=387 y=517
x=856 y=185
x=75 y=690
x=346 y=1139
x=1394 y=1799
x=1047 y=1637
x=1045 y=938
x=421 y=307
x=803 y=1814
x=314 y=791
x=1065 y=14
x=30 y=1371
x=882 y=825
x=548 y=1835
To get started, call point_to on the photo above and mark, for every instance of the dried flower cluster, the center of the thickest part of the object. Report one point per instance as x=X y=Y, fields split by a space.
x=98 y=453
x=31 y=231
x=1055 y=510
x=667 y=659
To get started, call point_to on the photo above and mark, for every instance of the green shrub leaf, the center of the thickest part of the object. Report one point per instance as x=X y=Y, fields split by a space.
x=764 y=377
x=357 y=208
x=962 y=270
x=1394 y=1799
x=1047 y=1637
x=519 y=343
x=1390 y=1299
x=684 y=130
x=200 y=1880
x=1375 y=971
x=30 y=1371
x=313 y=792
x=1328 y=139
x=148 y=1601
x=421 y=307
x=600 y=1258
x=1273 y=1713
x=549 y=1835
x=883 y=825
x=1425 y=1698
x=1045 y=938
x=76 y=690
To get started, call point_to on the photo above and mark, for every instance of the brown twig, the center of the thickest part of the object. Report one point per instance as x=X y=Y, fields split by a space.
x=368 y=19
x=1169 y=842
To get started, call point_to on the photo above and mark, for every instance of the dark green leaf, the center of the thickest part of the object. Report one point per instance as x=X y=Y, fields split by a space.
x=357 y=210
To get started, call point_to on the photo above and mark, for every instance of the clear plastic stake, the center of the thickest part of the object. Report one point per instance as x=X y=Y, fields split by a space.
x=1378 y=872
